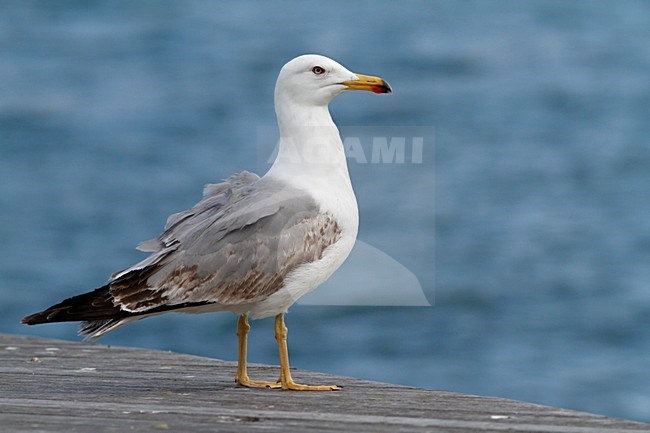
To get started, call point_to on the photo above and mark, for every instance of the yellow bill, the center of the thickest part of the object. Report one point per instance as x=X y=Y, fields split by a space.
x=370 y=83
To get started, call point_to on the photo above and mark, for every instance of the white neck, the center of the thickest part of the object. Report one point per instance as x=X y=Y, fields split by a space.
x=310 y=146
x=311 y=157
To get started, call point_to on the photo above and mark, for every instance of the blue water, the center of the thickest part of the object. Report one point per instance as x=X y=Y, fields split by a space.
x=527 y=224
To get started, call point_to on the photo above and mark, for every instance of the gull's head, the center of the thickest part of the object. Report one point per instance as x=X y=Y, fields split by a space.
x=316 y=80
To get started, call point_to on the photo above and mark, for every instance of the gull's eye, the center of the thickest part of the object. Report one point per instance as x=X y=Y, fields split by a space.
x=318 y=70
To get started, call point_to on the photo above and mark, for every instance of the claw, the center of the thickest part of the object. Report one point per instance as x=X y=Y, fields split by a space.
x=245 y=381
x=293 y=386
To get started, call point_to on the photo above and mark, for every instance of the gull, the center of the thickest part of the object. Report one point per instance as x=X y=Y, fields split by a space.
x=253 y=245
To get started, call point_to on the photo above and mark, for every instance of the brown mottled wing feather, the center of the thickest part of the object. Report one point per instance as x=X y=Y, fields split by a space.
x=241 y=257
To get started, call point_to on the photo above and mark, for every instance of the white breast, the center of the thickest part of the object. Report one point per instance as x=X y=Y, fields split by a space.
x=335 y=196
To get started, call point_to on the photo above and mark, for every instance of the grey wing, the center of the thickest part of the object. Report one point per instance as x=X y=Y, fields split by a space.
x=235 y=246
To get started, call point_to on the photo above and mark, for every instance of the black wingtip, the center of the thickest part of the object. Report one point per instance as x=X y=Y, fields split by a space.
x=46 y=316
x=33 y=319
x=95 y=305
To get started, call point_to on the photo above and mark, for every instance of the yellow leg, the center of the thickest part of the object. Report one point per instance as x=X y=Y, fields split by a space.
x=285 y=375
x=242 y=376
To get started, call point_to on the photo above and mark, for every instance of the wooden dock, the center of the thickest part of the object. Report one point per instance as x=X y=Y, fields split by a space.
x=59 y=386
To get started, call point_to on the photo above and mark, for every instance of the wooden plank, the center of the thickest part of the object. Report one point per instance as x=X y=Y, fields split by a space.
x=60 y=386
